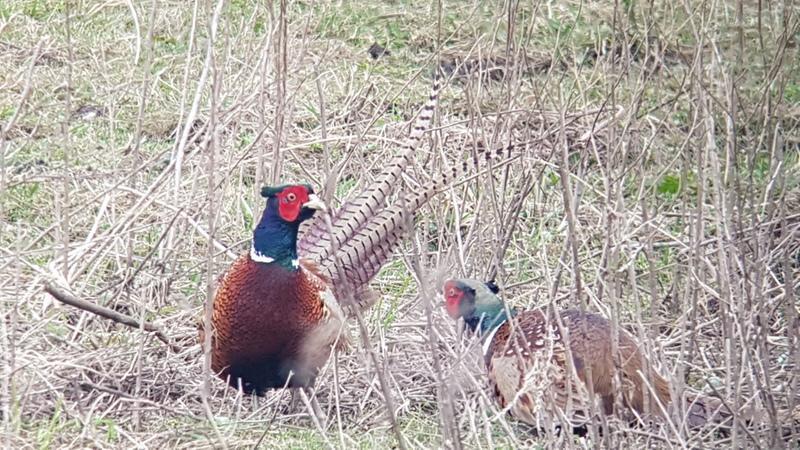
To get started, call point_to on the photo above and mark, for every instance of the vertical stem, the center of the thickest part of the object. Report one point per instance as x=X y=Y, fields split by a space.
x=280 y=93
x=187 y=120
x=145 y=90
x=446 y=401
x=566 y=192
x=211 y=275
x=62 y=199
x=8 y=329
x=380 y=371
x=792 y=322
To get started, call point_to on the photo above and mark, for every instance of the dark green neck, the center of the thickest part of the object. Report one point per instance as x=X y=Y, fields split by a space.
x=488 y=317
x=275 y=238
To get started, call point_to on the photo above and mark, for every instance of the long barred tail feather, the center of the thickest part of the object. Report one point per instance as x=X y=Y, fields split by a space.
x=361 y=257
x=317 y=239
x=365 y=231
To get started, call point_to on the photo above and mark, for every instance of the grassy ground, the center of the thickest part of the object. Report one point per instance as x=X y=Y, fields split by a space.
x=135 y=137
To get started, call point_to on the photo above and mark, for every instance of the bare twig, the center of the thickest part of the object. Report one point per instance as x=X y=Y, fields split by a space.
x=107 y=313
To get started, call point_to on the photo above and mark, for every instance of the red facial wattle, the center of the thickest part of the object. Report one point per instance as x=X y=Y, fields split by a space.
x=452 y=297
x=290 y=202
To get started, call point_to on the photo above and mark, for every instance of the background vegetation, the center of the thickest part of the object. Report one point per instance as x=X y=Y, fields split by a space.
x=655 y=181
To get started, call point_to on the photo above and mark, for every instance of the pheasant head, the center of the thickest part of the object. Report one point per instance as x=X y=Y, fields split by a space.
x=275 y=236
x=476 y=302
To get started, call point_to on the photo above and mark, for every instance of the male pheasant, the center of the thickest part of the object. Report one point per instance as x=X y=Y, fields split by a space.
x=530 y=364
x=276 y=316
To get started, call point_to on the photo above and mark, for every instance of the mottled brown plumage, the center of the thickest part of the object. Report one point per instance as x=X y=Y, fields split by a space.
x=538 y=369
x=541 y=367
x=534 y=358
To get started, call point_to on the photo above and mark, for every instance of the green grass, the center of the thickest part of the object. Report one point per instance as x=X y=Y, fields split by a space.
x=359 y=25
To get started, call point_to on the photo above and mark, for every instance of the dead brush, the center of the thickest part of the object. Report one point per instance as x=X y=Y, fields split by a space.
x=658 y=189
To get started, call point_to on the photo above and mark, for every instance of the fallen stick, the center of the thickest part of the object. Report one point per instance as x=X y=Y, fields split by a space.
x=108 y=313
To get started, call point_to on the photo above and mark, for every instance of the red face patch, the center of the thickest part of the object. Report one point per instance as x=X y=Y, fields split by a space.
x=452 y=298
x=290 y=201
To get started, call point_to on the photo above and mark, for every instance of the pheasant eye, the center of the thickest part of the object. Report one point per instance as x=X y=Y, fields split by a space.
x=451 y=292
x=291 y=197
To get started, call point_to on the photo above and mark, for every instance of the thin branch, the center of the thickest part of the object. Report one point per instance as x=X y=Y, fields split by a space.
x=108 y=313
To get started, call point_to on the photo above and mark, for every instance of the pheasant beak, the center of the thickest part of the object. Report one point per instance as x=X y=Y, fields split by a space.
x=315 y=203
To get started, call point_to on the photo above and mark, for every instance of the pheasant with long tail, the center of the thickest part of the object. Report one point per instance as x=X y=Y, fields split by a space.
x=277 y=311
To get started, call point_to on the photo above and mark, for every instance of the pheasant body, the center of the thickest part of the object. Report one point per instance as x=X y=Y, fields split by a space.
x=537 y=347
x=269 y=322
x=537 y=368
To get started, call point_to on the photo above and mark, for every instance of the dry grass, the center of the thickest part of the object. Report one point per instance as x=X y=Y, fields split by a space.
x=671 y=129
